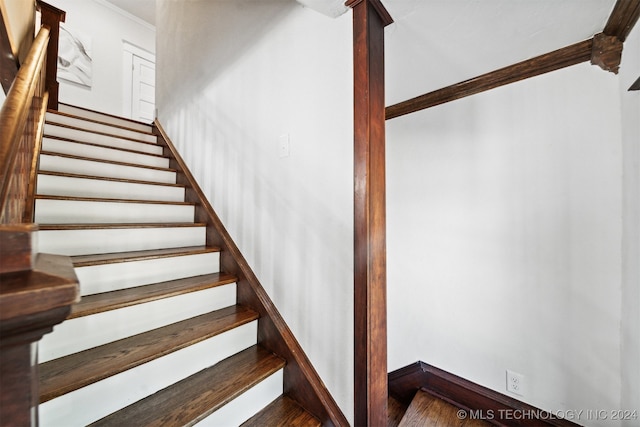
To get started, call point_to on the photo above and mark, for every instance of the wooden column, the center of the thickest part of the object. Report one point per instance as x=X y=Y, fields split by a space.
x=52 y=17
x=370 y=269
x=36 y=293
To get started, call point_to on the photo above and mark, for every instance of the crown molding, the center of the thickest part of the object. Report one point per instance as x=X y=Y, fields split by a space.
x=126 y=14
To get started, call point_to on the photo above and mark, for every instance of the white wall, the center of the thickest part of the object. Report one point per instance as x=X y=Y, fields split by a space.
x=504 y=236
x=244 y=74
x=630 y=374
x=108 y=28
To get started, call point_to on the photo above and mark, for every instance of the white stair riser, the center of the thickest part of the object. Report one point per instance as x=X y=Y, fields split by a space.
x=53 y=163
x=105 y=118
x=52 y=185
x=89 y=212
x=97 y=400
x=247 y=404
x=100 y=127
x=107 y=141
x=87 y=332
x=102 y=241
x=102 y=153
x=100 y=278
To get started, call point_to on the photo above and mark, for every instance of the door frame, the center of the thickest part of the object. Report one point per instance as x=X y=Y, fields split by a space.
x=130 y=50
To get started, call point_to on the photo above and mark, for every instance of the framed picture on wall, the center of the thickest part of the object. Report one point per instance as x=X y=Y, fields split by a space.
x=74 y=57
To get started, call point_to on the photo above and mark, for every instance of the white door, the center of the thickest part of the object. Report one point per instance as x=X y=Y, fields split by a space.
x=143 y=90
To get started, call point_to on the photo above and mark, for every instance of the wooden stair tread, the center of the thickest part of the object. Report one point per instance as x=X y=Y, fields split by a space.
x=125 y=119
x=112 y=258
x=111 y=162
x=427 y=410
x=60 y=113
x=49 y=227
x=395 y=411
x=77 y=370
x=93 y=144
x=96 y=199
x=192 y=399
x=98 y=303
x=105 y=178
x=96 y=132
x=283 y=412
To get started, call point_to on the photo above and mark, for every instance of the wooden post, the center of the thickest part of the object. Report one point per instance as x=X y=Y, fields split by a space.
x=52 y=17
x=370 y=269
x=35 y=295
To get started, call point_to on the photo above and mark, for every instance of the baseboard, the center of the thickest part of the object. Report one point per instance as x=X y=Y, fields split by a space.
x=477 y=401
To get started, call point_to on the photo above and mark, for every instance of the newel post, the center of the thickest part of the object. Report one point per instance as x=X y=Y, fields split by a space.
x=52 y=17
x=370 y=269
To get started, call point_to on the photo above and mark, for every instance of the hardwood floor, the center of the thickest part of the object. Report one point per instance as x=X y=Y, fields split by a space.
x=427 y=410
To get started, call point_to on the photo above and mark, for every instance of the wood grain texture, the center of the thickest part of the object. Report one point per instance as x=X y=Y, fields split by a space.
x=118 y=257
x=111 y=162
x=301 y=381
x=283 y=412
x=606 y=52
x=561 y=58
x=192 y=399
x=396 y=411
x=19 y=128
x=104 y=114
x=77 y=370
x=428 y=410
x=51 y=284
x=52 y=17
x=405 y=382
x=17 y=247
x=98 y=303
x=124 y=201
x=60 y=113
x=624 y=16
x=101 y=133
x=370 y=270
x=30 y=205
x=92 y=144
x=31 y=303
x=110 y=179
x=108 y=226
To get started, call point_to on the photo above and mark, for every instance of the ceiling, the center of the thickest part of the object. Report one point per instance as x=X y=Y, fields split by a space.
x=453 y=40
x=143 y=9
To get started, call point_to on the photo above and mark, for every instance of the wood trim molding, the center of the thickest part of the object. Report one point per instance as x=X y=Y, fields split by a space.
x=32 y=301
x=624 y=16
x=561 y=58
x=51 y=17
x=476 y=400
x=370 y=269
x=606 y=52
x=301 y=381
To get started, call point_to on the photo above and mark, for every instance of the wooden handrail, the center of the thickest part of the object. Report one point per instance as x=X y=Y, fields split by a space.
x=15 y=137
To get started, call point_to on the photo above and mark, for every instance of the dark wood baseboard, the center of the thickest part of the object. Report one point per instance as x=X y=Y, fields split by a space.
x=477 y=401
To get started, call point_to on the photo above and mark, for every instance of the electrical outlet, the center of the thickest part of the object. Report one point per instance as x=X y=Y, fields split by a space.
x=515 y=383
x=284 y=146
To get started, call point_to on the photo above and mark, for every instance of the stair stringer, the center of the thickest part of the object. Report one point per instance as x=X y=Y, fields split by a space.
x=301 y=380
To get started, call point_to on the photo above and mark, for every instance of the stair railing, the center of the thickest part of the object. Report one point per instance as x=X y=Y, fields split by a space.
x=19 y=123
x=36 y=290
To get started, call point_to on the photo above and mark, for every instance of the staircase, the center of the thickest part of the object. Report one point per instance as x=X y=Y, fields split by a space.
x=158 y=337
